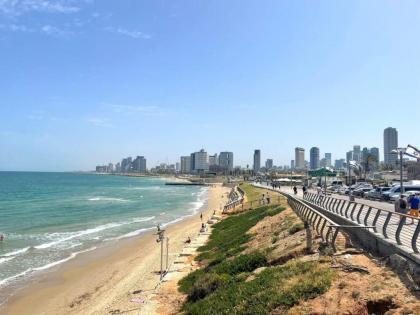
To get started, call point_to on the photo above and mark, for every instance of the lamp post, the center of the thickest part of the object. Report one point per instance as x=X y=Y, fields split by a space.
x=401 y=152
x=160 y=238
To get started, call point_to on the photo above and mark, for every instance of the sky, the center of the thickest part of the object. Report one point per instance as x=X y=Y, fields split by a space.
x=85 y=82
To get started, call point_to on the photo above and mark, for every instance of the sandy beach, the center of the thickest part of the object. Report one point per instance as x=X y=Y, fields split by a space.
x=106 y=281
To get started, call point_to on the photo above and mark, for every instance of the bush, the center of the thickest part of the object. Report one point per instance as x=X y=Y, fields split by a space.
x=186 y=283
x=242 y=263
x=275 y=287
x=205 y=285
x=296 y=228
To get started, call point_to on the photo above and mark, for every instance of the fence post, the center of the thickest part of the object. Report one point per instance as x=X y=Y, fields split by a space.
x=308 y=237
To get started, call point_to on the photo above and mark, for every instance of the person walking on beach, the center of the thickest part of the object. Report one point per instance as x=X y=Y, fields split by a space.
x=201 y=216
x=414 y=206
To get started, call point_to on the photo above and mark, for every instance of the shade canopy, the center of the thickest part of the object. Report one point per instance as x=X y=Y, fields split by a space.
x=322 y=172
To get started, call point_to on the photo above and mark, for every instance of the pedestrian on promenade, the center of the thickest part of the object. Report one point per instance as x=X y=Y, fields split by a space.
x=414 y=206
x=295 y=190
x=304 y=190
x=268 y=198
x=398 y=203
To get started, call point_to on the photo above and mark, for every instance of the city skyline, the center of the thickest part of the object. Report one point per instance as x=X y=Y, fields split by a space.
x=101 y=80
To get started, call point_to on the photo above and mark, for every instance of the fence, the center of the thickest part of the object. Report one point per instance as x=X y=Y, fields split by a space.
x=391 y=225
x=325 y=227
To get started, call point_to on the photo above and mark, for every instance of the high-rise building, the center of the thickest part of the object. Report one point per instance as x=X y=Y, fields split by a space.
x=375 y=154
x=292 y=164
x=314 y=158
x=201 y=161
x=390 y=143
x=328 y=159
x=177 y=166
x=126 y=165
x=226 y=160
x=299 y=158
x=269 y=164
x=213 y=160
x=139 y=164
x=257 y=160
x=339 y=164
x=349 y=156
x=357 y=154
x=185 y=164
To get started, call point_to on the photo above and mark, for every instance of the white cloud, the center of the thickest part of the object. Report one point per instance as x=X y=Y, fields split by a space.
x=18 y=7
x=100 y=122
x=16 y=28
x=55 y=31
x=130 y=33
x=150 y=110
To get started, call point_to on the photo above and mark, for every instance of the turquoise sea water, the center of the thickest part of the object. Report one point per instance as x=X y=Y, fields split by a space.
x=49 y=218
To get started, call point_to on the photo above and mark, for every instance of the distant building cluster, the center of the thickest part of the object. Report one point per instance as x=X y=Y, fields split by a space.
x=201 y=162
x=127 y=165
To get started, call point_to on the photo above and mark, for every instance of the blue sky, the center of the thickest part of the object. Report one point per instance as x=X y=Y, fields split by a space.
x=85 y=82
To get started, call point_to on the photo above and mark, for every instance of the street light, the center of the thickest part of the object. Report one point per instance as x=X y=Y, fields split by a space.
x=160 y=238
x=401 y=152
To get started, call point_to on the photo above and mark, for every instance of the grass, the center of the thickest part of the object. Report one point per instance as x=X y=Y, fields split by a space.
x=230 y=235
x=274 y=288
x=227 y=283
x=251 y=192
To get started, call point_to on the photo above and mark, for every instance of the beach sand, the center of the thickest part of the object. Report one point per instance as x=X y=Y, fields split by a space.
x=105 y=282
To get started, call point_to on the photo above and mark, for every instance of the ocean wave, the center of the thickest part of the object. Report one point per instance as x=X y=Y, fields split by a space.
x=4 y=259
x=107 y=199
x=94 y=230
x=47 y=266
x=16 y=252
x=146 y=188
x=133 y=233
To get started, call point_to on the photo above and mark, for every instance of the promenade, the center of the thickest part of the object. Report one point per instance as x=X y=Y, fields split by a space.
x=379 y=218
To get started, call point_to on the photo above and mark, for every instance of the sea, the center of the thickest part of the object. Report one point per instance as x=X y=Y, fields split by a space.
x=50 y=218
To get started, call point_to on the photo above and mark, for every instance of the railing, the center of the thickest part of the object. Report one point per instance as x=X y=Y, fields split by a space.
x=324 y=227
x=391 y=225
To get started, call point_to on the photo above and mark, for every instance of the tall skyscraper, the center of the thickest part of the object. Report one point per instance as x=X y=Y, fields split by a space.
x=269 y=164
x=328 y=157
x=257 y=160
x=357 y=154
x=213 y=160
x=349 y=156
x=139 y=164
x=292 y=164
x=185 y=164
x=201 y=161
x=226 y=160
x=314 y=158
x=390 y=143
x=299 y=158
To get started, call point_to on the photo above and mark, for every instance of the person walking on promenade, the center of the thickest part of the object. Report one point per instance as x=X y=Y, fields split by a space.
x=414 y=206
x=304 y=190
x=295 y=190
x=268 y=198
x=398 y=203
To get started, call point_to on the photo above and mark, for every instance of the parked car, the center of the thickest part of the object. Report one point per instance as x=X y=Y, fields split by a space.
x=407 y=195
x=360 y=192
x=397 y=190
x=376 y=193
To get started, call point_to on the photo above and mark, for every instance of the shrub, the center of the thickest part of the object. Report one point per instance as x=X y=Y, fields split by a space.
x=242 y=263
x=296 y=228
x=205 y=285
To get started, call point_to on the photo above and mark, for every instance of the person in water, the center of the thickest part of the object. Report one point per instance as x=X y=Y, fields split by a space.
x=1 y=237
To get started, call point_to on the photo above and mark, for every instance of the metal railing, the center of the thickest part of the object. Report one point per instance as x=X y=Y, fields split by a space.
x=324 y=227
x=391 y=225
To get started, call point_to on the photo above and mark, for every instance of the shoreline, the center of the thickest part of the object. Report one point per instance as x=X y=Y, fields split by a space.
x=95 y=282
